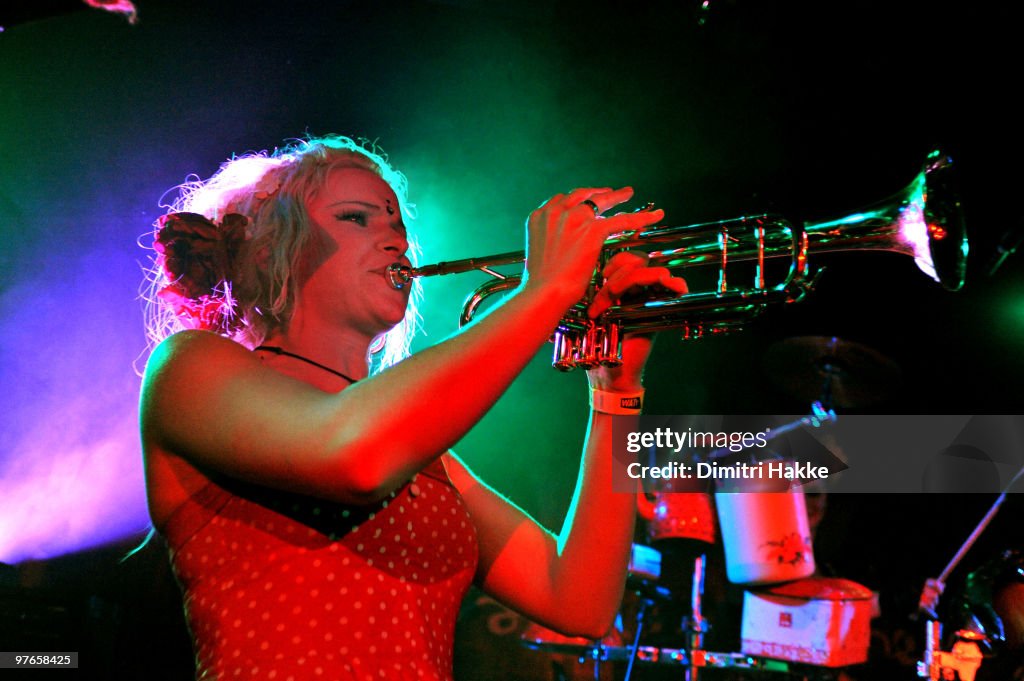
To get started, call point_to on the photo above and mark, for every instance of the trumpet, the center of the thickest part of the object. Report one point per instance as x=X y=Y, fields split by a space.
x=924 y=221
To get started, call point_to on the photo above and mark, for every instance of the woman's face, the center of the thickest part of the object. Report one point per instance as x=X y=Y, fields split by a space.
x=357 y=233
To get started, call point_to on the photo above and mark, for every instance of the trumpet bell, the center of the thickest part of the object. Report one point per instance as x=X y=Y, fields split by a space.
x=924 y=221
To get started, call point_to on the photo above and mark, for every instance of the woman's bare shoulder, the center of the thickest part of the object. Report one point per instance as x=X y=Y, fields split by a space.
x=193 y=349
x=185 y=362
x=193 y=345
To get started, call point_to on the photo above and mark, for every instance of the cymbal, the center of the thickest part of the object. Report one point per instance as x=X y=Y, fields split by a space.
x=855 y=375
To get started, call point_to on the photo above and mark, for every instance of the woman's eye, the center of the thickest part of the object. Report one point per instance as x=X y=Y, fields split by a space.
x=357 y=217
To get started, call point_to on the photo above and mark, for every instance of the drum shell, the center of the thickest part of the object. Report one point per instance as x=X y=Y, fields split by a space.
x=766 y=536
x=819 y=621
x=682 y=515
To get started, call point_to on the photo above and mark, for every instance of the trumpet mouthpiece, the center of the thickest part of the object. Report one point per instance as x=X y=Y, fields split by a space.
x=399 y=275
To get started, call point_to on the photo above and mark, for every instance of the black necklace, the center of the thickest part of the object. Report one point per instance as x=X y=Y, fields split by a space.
x=280 y=351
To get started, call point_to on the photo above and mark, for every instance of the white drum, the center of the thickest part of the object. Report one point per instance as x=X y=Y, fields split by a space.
x=766 y=535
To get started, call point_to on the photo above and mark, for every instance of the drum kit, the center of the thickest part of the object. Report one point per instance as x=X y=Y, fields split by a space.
x=795 y=625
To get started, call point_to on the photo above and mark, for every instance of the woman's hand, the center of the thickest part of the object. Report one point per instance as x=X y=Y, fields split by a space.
x=627 y=274
x=566 y=234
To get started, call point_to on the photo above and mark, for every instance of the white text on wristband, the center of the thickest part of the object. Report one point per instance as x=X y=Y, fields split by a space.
x=608 y=402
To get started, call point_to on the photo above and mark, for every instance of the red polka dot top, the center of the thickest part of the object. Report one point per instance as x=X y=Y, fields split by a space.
x=286 y=587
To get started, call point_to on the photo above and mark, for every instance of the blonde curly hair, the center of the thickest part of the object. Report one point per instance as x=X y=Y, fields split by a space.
x=257 y=295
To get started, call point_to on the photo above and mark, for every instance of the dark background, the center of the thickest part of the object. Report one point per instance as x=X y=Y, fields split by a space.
x=807 y=109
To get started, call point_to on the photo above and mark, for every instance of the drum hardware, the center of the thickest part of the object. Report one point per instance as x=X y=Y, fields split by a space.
x=644 y=566
x=820 y=415
x=562 y=649
x=965 y=656
x=836 y=372
x=675 y=657
x=694 y=657
x=924 y=221
x=645 y=603
x=695 y=624
x=648 y=591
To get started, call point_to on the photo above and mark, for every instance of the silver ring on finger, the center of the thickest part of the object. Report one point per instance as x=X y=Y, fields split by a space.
x=592 y=205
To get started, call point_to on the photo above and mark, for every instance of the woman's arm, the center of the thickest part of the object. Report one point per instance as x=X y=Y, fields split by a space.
x=572 y=582
x=211 y=402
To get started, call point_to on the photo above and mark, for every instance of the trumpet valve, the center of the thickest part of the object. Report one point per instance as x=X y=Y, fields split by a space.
x=564 y=355
x=611 y=346
x=589 y=348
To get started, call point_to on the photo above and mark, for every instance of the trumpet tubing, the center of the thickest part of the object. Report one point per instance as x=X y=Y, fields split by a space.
x=924 y=221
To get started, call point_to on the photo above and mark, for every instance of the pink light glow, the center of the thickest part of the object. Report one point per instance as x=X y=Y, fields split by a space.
x=86 y=496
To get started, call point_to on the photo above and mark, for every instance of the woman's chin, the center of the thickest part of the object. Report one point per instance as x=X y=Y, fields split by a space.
x=390 y=319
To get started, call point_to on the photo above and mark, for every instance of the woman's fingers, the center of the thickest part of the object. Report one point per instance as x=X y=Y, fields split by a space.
x=604 y=198
x=566 y=236
x=624 y=260
x=628 y=273
x=631 y=221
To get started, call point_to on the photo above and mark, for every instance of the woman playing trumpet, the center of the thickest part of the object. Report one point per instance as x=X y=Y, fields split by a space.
x=317 y=521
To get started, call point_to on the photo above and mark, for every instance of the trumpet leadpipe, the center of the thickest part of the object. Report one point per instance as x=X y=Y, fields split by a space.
x=400 y=275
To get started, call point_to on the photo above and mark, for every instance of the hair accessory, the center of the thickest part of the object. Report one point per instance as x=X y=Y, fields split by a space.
x=281 y=351
x=608 y=402
x=198 y=256
x=588 y=202
x=248 y=201
x=267 y=185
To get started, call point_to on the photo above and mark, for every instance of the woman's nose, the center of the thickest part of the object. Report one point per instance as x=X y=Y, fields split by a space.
x=395 y=241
